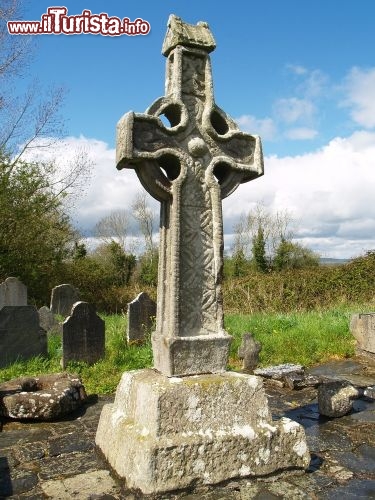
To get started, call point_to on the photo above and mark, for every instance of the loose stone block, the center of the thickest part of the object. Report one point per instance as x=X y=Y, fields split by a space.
x=163 y=434
x=62 y=299
x=13 y=293
x=41 y=398
x=83 y=335
x=21 y=336
x=335 y=398
x=362 y=326
x=141 y=317
x=249 y=352
x=278 y=372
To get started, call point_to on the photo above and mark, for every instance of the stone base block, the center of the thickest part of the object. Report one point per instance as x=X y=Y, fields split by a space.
x=179 y=356
x=163 y=434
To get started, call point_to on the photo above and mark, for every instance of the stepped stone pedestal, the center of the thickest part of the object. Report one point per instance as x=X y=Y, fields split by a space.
x=164 y=434
x=189 y=421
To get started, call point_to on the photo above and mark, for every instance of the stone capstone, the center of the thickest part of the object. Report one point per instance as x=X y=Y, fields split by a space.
x=46 y=397
x=335 y=398
x=164 y=434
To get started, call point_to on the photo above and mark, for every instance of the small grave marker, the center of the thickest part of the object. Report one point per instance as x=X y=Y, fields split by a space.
x=141 y=316
x=83 y=335
x=21 y=336
x=13 y=293
x=62 y=299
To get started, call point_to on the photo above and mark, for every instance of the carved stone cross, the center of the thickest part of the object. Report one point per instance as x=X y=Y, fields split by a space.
x=189 y=165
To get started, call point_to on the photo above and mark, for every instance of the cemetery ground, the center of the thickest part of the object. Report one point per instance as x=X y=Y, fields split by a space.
x=59 y=460
x=306 y=338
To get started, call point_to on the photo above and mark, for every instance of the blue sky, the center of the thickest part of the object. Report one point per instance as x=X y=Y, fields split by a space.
x=300 y=74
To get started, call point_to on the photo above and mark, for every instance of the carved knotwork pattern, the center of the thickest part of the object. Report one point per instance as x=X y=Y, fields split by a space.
x=197 y=256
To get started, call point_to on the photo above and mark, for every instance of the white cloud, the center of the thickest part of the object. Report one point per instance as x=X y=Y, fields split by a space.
x=330 y=192
x=300 y=133
x=291 y=110
x=265 y=127
x=360 y=88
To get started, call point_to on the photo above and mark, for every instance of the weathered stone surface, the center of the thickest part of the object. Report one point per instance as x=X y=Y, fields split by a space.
x=141 y=317
x=189 y=167
x=294 y=381
x=98 y=481
x=166 y=433
x=20 y=334
x=45 y=397
x=83 y=335
x=13 y=293
x=362 y=326
x=48 y=321
x=335 y=398
x=278 y=372
x=249 y=352
x=62 y=299
x=369 y=392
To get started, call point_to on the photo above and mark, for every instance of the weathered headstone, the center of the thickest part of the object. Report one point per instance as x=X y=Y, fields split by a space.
x=362 y=326
x=48 y=321
x=249 y=352
x=62 y=299
x=21 y=337
x=83 y=335
x=170 y=428
x=13 y=293
x=141 y=317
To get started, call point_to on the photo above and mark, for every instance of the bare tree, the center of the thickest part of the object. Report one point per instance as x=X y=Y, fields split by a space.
x=275 y=228
x=114 y=227
x=145 y=218
x=31 y=123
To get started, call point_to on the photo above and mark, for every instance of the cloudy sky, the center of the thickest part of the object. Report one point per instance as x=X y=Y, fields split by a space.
x=299 y=74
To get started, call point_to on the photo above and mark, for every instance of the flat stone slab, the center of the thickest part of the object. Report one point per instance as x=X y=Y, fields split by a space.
x=99 y=481
x=41 y=398
x=164 y=434
x=279 y=371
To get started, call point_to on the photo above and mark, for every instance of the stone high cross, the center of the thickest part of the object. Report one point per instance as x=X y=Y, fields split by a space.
x=189 y=165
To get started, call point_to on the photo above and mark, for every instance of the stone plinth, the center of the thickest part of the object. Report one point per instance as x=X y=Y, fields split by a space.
x=362 y=327
x=163 y=434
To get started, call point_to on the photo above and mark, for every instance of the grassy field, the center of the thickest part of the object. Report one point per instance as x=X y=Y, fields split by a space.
x=307 y=338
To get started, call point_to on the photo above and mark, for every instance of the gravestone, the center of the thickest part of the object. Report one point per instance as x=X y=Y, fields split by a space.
x=169 y=428
x=362 y=327
x=141 y=315
x=13 y=293
x=48 y=321
x=83 y=335
x=249 y=352
x=21 y=337
x=62 y=299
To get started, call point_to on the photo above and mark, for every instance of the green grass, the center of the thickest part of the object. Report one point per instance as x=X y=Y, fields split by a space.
x=304 y=337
